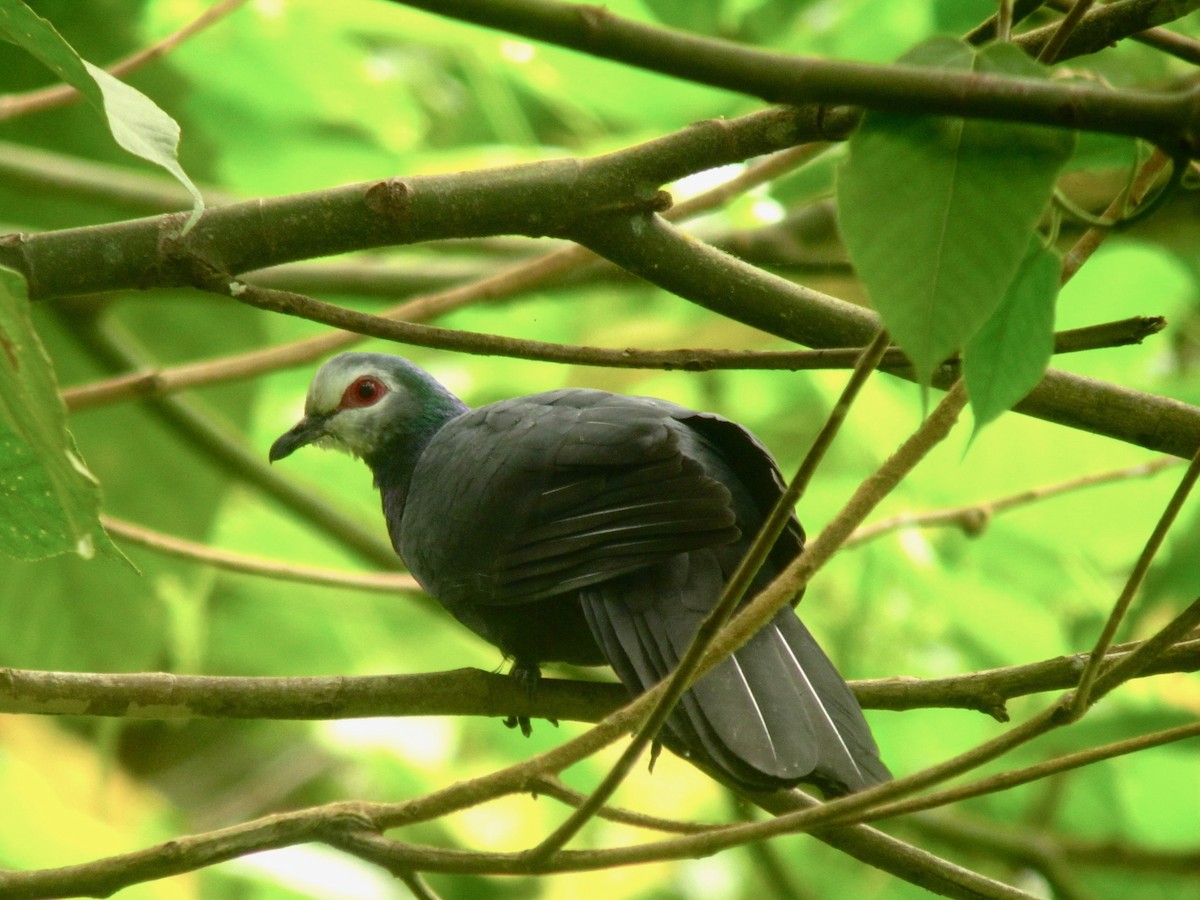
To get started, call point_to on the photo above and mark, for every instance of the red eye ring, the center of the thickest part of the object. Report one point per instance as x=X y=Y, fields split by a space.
x=366 y=390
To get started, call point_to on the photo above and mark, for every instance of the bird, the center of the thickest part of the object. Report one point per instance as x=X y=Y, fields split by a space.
x=587 y=527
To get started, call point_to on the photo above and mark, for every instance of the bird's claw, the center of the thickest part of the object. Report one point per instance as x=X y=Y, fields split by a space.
x=527 y=675
x=655 y=750
x=521 y=722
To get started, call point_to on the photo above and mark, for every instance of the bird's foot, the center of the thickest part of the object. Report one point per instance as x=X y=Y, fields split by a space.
x=528 y=675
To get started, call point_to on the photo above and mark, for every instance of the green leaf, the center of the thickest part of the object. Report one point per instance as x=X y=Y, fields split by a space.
x=50 y=500
x=937 y=212
x=136 y=122
x=1008 y=355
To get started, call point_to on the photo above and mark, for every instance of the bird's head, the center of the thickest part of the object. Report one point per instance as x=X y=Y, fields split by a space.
x=362 y=403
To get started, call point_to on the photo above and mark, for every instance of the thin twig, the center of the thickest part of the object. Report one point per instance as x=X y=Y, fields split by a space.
x=1091 y=239
x=552 y=786
x=1007 y=780
x=1051 y=49
x=1004 y=20
x=1116 y=672
x=778 y=878
x=253 y=565
x=797 y=80
x=292 y=304
x=987 y=691
x=417 y=885
x=169 y=380
x=1083 y=694
x=1039 y=851
x=1171 y=42
x=973 y=518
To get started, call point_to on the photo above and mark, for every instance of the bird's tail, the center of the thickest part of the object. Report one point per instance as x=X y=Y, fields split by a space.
x=774 y=713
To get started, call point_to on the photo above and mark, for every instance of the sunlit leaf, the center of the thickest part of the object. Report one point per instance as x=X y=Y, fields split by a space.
x=934 y=232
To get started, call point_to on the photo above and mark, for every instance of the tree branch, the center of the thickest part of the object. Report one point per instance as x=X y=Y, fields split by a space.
x=508 y=282
x=1014 y=778
x=1171 y=121
x=395 y=211
x=656 y=251
x=471 y=692
x=973 y=518
x=1083 y=695
x=391 y=584
x=537 y=199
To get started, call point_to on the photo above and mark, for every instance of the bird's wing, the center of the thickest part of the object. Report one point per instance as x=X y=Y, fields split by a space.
x=539 y=496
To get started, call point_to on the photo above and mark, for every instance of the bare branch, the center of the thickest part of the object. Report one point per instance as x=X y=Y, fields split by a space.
x=1062 y=33
x=419 y=335
x=678 y=263
x=975 y=517
x=471 y=692
x=253 y=565
x=511 y=281
x=1083 y=695
x=554 y=787
x=1006 y=780
x=1114 y=672
x=1163 y=119
x=163 y=381
x=1090 y=241
x=988 y=690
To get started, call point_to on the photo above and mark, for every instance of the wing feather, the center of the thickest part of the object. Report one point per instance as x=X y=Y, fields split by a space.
x=544 y=495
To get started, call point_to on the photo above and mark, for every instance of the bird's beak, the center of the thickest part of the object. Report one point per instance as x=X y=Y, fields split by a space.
x=307 y=430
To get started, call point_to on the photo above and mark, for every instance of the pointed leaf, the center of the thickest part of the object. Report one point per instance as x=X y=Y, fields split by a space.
x=137 y=124
x=934 y=232
x=49 y=501
x=1008 y=355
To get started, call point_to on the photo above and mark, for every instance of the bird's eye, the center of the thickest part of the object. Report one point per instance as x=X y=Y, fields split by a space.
x=363 y=391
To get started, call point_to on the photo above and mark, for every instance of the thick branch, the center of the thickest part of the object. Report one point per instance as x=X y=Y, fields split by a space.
x=663 y=255
x=1171 y=121
x=235 y=238
x=538 y=199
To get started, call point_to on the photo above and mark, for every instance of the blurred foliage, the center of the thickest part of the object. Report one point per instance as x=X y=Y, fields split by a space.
x=293 y=95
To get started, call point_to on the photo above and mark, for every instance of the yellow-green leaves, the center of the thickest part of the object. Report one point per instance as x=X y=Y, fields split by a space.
x=136 y=122
x=49 y=502
x=938 y=214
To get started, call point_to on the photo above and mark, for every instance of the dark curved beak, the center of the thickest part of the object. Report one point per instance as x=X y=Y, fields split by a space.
x=307 y=430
